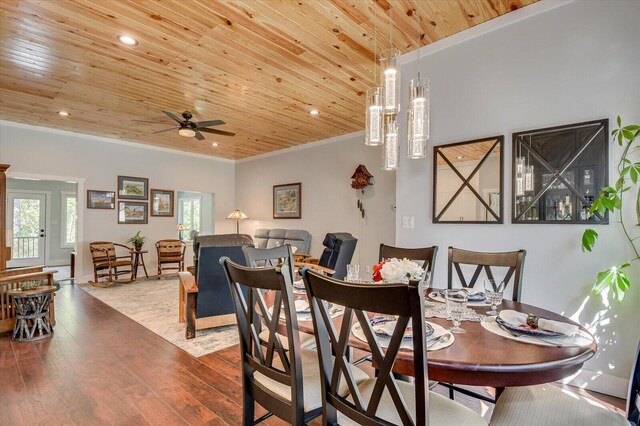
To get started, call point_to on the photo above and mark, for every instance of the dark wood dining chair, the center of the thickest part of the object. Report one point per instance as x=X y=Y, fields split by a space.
x=513 y=261
x=550 y=405
x=380 y=400
x=266 y=257
x=426 y=254
x=271 y=375
x=170 y=256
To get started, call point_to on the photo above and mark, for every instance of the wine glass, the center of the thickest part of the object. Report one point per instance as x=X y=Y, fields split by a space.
x=456 y=302
x=353 y=272
x=426 y=284
x=493 y=292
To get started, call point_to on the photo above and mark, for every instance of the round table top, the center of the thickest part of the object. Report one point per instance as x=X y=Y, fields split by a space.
x=40 y=290
x=480 y=357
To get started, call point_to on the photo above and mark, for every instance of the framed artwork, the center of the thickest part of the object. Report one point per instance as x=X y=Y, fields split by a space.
x=101 y=199
x=287 y=201
x=162 y=202
x=133 y=188
x=132 y=212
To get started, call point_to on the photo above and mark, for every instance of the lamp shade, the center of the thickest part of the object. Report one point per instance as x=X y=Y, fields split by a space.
x=237 y=214
x=181 y=227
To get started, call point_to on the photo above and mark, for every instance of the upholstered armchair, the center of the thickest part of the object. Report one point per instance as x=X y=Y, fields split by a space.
x=205 y=299
x=339 y=249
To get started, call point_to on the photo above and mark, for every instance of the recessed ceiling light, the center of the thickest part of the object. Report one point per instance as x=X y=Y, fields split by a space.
x=215 y=144
x=129 y=41
x=459 y=157
x=314 y=112
x=64 y=113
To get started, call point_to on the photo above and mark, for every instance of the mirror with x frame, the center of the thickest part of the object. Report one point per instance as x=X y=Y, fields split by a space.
x=467 y=181
x=558 y=171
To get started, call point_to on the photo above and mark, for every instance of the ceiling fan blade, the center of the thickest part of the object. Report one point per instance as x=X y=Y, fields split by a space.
x=217 y=132
x=172 y=116
x=210 y=123
x=165 y=130
x=152 y=122
x=199 y=135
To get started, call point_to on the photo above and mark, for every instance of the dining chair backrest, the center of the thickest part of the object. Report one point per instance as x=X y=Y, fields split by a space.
x=260 y=257
x=426 y=254
x=102 y=251
x=489 y=262
x=248 y=286
x=633 y=401
x=404 y=301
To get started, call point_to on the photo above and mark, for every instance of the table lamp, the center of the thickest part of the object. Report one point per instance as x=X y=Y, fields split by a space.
x=180 y=228
x=238 y=216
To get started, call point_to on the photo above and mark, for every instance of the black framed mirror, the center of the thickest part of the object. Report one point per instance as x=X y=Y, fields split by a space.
x=467 y=181
x=558 y=171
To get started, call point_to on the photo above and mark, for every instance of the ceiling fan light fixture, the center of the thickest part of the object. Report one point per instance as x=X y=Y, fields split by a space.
x=129 y=41
x=186 y=132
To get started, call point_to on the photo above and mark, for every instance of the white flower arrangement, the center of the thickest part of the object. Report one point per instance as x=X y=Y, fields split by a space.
x=395 y=270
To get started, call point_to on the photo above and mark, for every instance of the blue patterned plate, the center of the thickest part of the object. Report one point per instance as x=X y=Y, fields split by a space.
x=378 y=323
x=525 y=329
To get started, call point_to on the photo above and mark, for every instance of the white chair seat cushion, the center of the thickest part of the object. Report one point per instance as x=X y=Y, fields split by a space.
x=306 y=340
x=311 y=385
x=442 y=411
x=549 y=405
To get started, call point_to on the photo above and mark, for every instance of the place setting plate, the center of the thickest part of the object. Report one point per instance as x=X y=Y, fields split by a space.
x=537 y=336
x=475 y=299
x=438 y=337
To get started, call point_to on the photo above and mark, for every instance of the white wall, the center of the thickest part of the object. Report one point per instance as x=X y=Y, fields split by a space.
x=328 y=201
x=575 y=63
x=96 y=163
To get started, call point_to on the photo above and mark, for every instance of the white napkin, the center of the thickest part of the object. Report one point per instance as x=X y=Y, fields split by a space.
x=294 y=249
x=302 y=305
x=519 y=318
x=388 y=327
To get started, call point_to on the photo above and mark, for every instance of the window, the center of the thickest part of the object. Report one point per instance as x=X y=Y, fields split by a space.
x=189 y=215
x=69 y=215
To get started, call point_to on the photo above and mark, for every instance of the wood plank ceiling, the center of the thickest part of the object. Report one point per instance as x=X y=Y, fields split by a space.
x=259 y=65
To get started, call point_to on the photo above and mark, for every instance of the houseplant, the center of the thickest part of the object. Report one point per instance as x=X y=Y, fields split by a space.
x=137 y=240
x=610 y=200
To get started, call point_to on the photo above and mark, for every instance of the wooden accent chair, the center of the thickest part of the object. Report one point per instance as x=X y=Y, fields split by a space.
x=107 y=262
x=513 y=260
x=550 y=405
x=170 y=252
x=426 y=254
x=9 y=280
x=379 y=400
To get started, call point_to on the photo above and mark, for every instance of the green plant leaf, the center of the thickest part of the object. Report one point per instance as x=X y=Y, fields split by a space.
x=589 y=238
x=632 y=128
x=628 y=134
x=604 y=280
x=619 y=120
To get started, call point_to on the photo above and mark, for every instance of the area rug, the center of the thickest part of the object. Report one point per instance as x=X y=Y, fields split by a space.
x=154 y=304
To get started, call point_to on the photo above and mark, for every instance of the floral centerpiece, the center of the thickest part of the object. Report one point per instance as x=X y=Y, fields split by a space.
x=396 y=270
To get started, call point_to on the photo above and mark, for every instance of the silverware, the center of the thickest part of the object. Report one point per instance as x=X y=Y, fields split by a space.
x=442 y=339
x=517 y=335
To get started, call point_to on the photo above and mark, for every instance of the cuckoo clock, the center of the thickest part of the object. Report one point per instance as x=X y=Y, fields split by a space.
x=361 y=178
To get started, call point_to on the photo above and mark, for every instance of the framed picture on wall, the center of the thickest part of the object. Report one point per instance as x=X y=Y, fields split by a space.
x=162 y=202
x=287 y=201
x=101 y=199
x=132 y=212
x=133 y=188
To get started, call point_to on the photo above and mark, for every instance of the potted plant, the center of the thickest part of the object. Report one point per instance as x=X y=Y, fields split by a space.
x=610 y=200
x=137 y=240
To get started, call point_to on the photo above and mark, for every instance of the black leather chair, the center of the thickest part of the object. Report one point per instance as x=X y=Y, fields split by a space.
x=339 y=248
x=205 y=300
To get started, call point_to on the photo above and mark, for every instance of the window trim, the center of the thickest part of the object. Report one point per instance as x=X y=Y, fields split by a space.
x=180 y=213
x=63 y=219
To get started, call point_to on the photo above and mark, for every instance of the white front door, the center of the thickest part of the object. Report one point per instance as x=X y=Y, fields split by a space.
x=26 y=218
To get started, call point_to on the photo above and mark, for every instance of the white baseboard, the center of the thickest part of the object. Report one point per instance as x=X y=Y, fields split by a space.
x=599 y=382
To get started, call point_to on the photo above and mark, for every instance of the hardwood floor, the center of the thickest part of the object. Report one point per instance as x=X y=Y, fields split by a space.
x=101 y=367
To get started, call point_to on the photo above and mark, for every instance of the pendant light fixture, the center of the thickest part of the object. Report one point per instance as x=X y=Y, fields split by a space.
x=390 y=77
x=418 y=111
x=374 y=113
x=391 y=150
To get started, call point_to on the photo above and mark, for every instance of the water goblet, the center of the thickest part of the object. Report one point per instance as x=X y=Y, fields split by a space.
x=493 y=292
x=456 y=302
x=353 y=272
x=426 y=284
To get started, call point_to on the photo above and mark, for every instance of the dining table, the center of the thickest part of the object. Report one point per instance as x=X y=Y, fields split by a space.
x=483 y=358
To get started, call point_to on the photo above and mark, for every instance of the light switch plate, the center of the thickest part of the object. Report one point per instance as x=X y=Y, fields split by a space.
x=408 y=222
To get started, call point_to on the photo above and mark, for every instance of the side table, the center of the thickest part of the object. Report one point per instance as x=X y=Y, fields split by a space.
x=32 y=313
x=138 y=259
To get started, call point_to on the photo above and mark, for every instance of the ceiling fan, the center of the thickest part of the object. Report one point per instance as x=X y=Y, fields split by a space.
x=191 y=129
